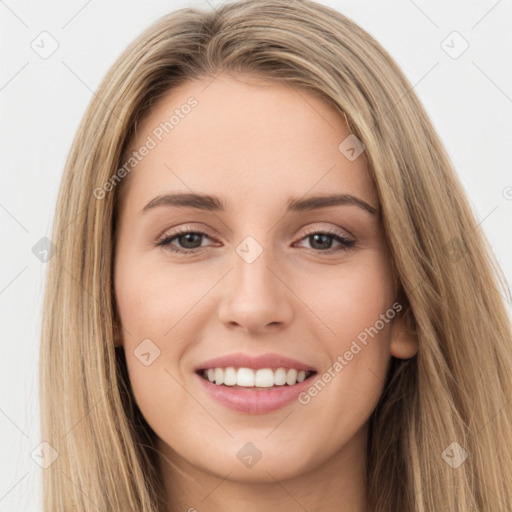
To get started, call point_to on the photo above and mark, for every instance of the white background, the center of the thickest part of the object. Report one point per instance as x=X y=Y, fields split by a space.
x=469 y=100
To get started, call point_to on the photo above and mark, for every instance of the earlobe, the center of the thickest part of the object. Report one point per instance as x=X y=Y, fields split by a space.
x=404 y=339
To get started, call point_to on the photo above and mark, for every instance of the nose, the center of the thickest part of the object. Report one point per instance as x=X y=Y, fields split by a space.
x=256 y=297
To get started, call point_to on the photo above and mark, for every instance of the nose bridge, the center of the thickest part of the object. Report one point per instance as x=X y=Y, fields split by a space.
x=252 y=266
x=252 y=274
x=255 y=296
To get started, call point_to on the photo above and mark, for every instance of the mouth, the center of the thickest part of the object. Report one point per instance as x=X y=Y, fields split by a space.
x=255 y=384
x=254 y=390
x=260 y=379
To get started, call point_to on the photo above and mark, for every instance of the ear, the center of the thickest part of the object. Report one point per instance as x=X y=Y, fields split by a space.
x=404 y=339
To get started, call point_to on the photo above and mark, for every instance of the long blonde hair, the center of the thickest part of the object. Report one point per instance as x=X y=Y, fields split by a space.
x=458 y=387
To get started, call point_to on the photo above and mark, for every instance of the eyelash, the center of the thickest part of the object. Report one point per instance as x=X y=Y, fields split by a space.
x=168 y=238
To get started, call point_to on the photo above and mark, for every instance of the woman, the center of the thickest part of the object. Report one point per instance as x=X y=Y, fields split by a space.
x=270 y=291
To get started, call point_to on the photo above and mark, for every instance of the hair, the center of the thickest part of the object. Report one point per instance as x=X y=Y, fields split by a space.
x=456 y=389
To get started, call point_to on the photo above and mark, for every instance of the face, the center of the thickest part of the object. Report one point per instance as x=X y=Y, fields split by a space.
x=257 y=274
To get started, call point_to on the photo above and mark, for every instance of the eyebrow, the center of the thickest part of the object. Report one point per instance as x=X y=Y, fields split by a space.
x=215 y=204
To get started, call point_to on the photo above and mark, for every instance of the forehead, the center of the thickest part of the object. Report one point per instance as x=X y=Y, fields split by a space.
x=240 y=135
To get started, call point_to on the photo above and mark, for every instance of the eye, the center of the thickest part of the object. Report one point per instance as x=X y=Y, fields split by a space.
x=321 y=241
x=188 y=241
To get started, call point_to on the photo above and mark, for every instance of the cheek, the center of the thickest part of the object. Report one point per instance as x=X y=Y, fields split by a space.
x=160 y=310
x=356 y=308
x=351 y=302
x=153 y=300
x=155 y=306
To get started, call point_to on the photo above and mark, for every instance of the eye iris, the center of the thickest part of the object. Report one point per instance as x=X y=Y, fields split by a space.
x=325 y=243
x=189 y=238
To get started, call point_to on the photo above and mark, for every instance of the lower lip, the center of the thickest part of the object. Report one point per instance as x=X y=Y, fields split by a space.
x=254 y=401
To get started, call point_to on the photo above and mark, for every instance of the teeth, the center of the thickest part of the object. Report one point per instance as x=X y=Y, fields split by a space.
x=291 y=377
x=229 y=376
x=218 y=376
x=262 y=378
x=280 y=377
x=245 y=377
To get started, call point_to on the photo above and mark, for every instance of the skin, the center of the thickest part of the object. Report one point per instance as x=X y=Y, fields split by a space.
x=255 y=145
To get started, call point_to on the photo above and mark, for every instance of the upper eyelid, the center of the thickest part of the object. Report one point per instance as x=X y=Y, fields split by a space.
x=172 y=232
x=190 y=228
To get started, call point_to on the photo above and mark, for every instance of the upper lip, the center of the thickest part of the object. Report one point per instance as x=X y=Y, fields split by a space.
x=240 y=360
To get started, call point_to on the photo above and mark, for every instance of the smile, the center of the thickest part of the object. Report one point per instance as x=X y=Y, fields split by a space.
x=263 y=378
